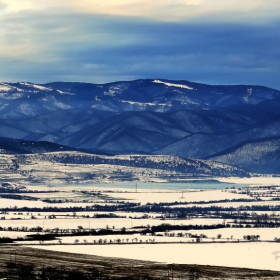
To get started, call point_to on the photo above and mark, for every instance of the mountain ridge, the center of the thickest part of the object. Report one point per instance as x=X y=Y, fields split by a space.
x=146 y=116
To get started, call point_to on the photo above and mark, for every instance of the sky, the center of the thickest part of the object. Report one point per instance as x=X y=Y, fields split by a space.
x=207 y=41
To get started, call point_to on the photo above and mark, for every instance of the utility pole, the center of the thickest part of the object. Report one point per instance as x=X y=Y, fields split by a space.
x=182 y=194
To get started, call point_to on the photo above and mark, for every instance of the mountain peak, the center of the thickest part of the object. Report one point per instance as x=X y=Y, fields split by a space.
x=148 y=116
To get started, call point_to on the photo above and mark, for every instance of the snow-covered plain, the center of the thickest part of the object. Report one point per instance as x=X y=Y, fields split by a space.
x=257 y=181
x=128 y=238
x=7 y=202
x=172 y=196
x=97 y=223
x=234 y=234
x=232 y=204
x=11 y=203
x=226 y=251
x=255 y=255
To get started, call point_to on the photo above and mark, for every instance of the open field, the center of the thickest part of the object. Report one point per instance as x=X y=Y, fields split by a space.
x=258 y=181
x=244 y=255
x=236 y=226
x=171 y=196
x=125 y=267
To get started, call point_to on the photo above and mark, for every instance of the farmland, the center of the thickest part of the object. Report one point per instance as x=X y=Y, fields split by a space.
x=192 y=224
x=121 y=267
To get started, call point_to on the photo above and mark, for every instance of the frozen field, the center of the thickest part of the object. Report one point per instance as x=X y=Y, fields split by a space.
x=231 y=204
x=11 y=203
x=256 y=181
x=172 y=196
x=227 y=234
x=223 y=251
x=117 y=223
x=233 y=234
x=124 y=239
x=141 y=196
x=257 y=255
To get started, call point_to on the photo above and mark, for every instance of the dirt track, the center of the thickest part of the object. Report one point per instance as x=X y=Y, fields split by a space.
x=123 y=267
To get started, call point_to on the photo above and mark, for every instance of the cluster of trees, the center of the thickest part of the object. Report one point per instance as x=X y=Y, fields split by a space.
x=118 y=241
x=5 y=240
x=251 y=237
x=7 y=188
x=176 y=212
x=169 y=227
x=240 y=216
x=120 y=206
x=107 y=215
x=18 y=197
x=205 y=202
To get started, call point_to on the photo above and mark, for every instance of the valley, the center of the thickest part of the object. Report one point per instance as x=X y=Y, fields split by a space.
x=174 y=175
x=143 y=219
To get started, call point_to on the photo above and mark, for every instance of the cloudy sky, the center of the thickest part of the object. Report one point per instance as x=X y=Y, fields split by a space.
x=209 y=41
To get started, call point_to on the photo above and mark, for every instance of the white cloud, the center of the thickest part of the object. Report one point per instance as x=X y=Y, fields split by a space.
x=47 y=40
x=164 y=10
x=3 y=6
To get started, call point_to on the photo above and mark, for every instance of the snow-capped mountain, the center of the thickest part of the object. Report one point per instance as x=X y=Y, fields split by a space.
x=157 y=116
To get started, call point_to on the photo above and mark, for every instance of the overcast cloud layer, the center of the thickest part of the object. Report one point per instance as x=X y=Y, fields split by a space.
x=209 y=41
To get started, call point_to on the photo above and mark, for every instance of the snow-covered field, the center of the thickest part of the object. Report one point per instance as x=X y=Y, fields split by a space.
x=124 y=239
x=172 y=196
x=117 y=223
x=8 y=203
x=255 y=255
x=253 y=181
x=12 y=234
x=11 y=203
x=224 y=251
x=234 y=234
x=152 y=196
x=231 y=204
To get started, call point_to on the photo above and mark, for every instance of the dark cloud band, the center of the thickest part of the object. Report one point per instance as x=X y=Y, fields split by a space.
x=95 y=48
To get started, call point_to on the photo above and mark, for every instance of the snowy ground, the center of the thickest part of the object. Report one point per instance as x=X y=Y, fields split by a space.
x=234 y=234
x=257 y=181
x=225 y=251
x=172 y=196
x=230 y=204
x=257 y=255
x=117 y=223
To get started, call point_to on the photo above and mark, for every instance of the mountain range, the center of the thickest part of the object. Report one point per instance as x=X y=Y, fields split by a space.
x=235 y=125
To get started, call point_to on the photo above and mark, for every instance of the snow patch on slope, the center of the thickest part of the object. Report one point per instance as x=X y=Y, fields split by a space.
x=172 y=85
x=5 y=88
x=116 y=89
x=36 y=86
x=26 y=109
x=145 y=104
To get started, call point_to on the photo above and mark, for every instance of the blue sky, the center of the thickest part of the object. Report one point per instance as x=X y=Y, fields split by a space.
x=208 y=41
